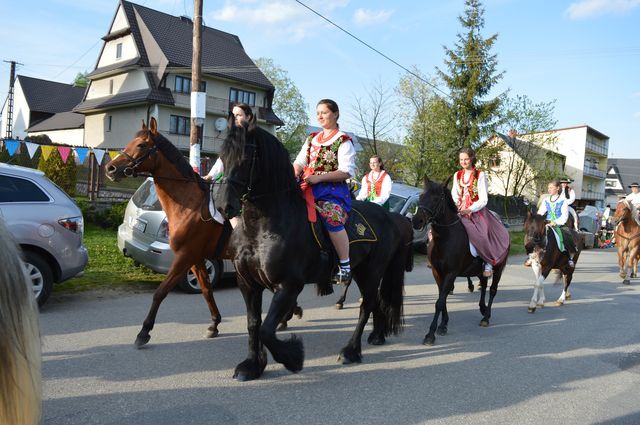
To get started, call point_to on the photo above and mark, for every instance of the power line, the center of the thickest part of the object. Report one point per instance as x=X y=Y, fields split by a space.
x=372 y=48
x=77 y=60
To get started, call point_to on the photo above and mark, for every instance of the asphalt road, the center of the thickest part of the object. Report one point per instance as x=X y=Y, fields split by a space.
x=574 y=364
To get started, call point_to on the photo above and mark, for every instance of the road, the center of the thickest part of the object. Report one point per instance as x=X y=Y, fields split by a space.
x=572 y=364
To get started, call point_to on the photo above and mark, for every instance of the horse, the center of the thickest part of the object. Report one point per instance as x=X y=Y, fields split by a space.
x=627 y=233
x=275 y=247
x=541 y=246
x=184 y=196
x=450 y=256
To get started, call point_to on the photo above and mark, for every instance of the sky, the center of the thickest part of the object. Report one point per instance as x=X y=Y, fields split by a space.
x=582 y=54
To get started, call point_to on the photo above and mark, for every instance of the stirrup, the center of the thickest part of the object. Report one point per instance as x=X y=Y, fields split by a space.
x=342 y=277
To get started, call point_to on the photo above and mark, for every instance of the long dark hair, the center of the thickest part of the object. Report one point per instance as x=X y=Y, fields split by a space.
x=251 y=122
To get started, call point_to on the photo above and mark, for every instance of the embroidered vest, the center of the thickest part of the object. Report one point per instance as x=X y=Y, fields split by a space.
x=554 y=209
x=323 y=159
x=374 y=188
x=472 y=187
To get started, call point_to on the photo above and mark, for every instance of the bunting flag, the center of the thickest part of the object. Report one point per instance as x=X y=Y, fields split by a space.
x=12 y=146
x=113 y=154
x=64 y=153
x=32 y=148
x=46 y=151
x=81 y=154
x=99 y=154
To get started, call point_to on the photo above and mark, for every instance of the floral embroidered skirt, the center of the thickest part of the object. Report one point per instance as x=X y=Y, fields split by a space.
x=334 y=204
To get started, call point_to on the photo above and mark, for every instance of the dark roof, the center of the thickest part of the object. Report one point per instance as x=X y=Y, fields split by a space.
x=59 y=121
x=49 y=96
x=626 y=170
x=269 y=116
x=161 y=95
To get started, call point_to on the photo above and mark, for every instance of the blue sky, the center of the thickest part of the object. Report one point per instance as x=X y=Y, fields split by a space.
x=585 y=54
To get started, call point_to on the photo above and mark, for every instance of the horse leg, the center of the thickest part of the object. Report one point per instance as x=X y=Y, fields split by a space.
x=352 y=352
x=483 y=293
x=538 y=289
x=470 y=284
x=289 y=352
x=176 y=272
x=493 y=290
x=444 y=288
x=633 y=252
x=200 y=270
x=568 y=274
x=284 y=323
x=256 y=361
x=340 y=302
x=622 y=261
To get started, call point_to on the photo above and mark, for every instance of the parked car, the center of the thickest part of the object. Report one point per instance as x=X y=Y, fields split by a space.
x=46 y=223
x=404 y=200
x=144 y=236
x=589 y=222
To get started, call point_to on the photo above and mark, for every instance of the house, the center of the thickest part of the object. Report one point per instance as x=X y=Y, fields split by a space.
x=63 y=128
x=36 y=100
x=621 y=173
x=586 y=151
x=144 y=70
x=521 y=168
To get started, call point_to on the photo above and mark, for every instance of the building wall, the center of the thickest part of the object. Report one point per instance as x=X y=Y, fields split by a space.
x=73 y=137
x=125 y=123
x=120 y=21
x=21 y=113
x=122 y=83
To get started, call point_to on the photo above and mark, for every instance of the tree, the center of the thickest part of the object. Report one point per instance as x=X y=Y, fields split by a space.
x=288 y=104
x=471 y=74
x=64 y=174
x=373 y=117
x=81 y=80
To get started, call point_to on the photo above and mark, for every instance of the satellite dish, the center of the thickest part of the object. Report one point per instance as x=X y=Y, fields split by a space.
x=220 y=124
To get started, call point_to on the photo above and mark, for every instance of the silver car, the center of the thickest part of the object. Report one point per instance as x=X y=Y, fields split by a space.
x=404 y=200
x=144 y=236
x=46 y=223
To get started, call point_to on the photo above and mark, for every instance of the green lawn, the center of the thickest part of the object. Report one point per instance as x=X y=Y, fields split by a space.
x=517 y=243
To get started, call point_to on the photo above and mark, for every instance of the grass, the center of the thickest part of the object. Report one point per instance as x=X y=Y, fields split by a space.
x=517 y=243
x=107 y=267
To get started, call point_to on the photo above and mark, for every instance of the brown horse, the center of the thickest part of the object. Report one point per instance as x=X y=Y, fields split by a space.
x=541 y=246
x=627 y=236
x=184 y=196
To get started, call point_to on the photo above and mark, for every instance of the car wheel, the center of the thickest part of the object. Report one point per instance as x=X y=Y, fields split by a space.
x=40 y=275
x=190 y=283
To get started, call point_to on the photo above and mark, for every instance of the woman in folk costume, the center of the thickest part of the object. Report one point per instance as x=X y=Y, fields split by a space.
x=570 y=196
x=486 y=233
x=556 y=208
x=325 y=162
x=376 y=185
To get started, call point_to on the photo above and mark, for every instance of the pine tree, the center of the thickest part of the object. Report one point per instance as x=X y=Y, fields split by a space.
x=472 y=73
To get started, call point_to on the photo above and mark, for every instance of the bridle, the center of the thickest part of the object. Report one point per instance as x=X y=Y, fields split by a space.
x=235 y=183
x=134 y=163
x=431 y=215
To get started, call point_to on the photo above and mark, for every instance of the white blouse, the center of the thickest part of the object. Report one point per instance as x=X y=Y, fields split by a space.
x=385 y=189
x=346 y=154
x=483 y=196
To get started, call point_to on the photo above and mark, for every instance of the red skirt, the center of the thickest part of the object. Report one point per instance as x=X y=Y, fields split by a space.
x=488 y=235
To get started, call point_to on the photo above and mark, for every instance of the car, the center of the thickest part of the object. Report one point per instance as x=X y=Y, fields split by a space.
x=46 y=223
x=404 y=200
x=144 y=236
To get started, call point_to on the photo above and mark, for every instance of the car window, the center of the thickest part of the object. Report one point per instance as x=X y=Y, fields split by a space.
x=412 y=206
x=146 y=197
x=15 y=189
x=396 y=203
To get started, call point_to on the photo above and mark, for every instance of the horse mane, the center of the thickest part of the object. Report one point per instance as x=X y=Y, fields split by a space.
x=175 y=157
x=431 y=185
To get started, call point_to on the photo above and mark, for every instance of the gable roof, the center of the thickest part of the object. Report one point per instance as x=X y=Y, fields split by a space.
x=521 y=146
x=627 y=171
x=49 y=96
x=59 y=121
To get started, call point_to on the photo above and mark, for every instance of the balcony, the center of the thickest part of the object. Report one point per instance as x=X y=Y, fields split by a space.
x=598 y=148
x=587 y=194
x=215 y=105
x=594 y=172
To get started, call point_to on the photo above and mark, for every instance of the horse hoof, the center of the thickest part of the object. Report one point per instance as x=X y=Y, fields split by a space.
x=282 y=326
x=339 y=306
x=442 y=330
x=298 y=312
x=623 y=275
x=345 y=359
x=567 y=297
x=211 y=333
x=558 y=302
x=626 y=282
x=633 y=276
x=531 y=309
x=484 y=323
x=471 y=288
x=429 y=340
x=540 y=305
x=141 y=341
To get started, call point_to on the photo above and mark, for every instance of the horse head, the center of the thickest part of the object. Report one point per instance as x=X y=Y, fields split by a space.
x=433 y=203
x=535 y=238
x=138 y=156
x=622 y=213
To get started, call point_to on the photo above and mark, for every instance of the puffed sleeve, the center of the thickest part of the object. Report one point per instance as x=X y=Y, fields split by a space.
x=572 y=196
x=483 y=196
x=347 y=158
x=362 y=195
x=301 y=159
x=454 y=190
x=217 y=170
x=542 y=209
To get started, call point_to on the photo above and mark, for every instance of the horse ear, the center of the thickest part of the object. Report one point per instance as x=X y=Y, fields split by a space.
x=153 y=126
x=426 y=182
x=529 y=213
x=144 y=125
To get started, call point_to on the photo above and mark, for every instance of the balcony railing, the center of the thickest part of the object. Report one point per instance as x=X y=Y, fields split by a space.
x=598 y=148
x=594 y=172
x=587 y=194
x=215 y=105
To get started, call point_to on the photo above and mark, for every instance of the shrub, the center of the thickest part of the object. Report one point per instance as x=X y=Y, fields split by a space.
x=61 y=173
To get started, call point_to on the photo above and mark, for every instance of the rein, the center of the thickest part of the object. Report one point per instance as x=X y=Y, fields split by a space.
x=431 y=219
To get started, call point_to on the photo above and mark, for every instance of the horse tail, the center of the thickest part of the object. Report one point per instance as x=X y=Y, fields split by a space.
x=409 y=264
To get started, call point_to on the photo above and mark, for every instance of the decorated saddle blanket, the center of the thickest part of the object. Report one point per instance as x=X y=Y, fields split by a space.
x=358 y=229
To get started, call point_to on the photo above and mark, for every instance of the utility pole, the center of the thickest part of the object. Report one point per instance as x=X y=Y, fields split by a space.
x=9 y=117
x=198 y=98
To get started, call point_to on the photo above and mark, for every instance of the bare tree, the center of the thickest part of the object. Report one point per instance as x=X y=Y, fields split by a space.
x=373 y=117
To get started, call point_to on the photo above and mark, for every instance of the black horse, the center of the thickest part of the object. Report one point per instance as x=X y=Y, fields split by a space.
x=276 y=248
x=449 y=254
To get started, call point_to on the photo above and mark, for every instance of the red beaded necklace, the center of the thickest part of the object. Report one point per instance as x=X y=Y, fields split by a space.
x=471 y=174
x=321 y=137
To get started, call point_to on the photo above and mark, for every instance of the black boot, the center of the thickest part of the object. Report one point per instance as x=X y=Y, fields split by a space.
x=342 y=277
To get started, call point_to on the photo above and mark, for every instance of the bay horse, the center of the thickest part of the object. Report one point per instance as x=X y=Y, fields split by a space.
x=184 y=196
x=627 y=234
x=545 y=255
x=275 y=247
x=450 y=256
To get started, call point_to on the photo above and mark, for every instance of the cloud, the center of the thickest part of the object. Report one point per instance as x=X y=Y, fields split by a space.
x=279 y=18
x=364 y=17
x=584 y=9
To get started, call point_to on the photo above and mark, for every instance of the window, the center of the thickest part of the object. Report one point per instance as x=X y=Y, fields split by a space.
x=118 y=50
x=179 y=125
x=14 y=189
x=109 y=120
x=183 y=85
x=110 y=86
x=237 y=95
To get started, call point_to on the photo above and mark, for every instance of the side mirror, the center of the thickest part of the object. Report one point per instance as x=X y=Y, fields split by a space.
x=409 y=215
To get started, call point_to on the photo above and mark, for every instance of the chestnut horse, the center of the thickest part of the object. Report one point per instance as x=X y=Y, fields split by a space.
x=627 y=236
x=184 y=196
x=542 y=248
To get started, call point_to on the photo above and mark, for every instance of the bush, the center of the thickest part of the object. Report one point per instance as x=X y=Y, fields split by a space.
x=61 y=173
x=109 y=218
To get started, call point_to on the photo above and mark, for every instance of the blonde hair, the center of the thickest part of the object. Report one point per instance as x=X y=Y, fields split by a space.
x=20 y=376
